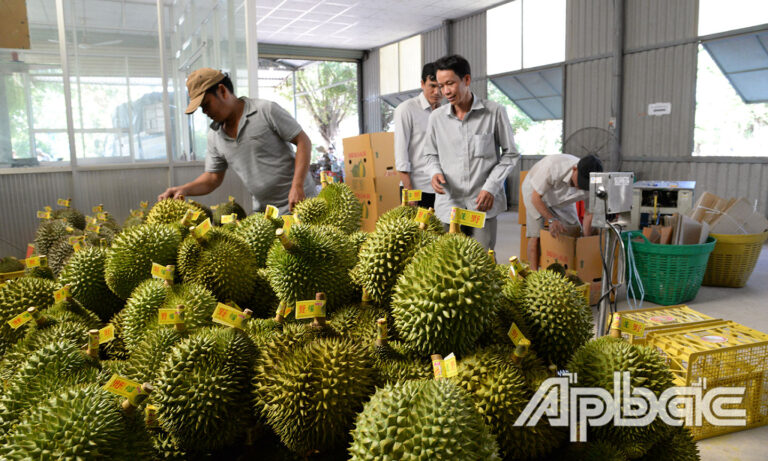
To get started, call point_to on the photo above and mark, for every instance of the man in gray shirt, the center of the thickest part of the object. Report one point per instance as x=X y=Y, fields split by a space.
x=470 y=150
x=253 y=136
x=411 y=119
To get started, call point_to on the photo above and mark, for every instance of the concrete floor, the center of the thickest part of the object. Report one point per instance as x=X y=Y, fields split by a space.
x=747 y=305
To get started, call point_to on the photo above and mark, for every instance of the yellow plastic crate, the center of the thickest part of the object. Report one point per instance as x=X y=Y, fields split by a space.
x=661 y=318
x=724 y=353
x=5 y=276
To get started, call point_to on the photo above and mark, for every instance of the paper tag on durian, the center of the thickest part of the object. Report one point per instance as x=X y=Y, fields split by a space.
x=228 y=316
x=62 y=294
x=150 y=415
x=102 y=216
x=438 y=369
x=229 y=218
x=107 y=334
x=449 y=364
x=287 y=223
x=30 y=250
x=168 y=316
x=75 y=238
x=515 y=334
x=632 y=327
x=95 y=228
x=162 y=272
x=271 y=212
x=468 y=217
x=310 y=309
x=189 y=217
x=78 y=246
x=137 y=213
x=422 y=215
x=47 y=208
x=203 y=228
x=97 y=209
x=123 y=387
x=44 y=214
x=411 y=195
x=63 y=202
x=36 y=261
x=20 y=320
x=144 y=204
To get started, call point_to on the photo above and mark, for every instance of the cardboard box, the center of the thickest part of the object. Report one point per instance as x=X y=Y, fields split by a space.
x=520 y=201
x=370 y=155
x=378 y=195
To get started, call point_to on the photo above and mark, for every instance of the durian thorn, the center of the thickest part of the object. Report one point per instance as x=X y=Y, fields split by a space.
x=366 y=298
x=129 y=407
x=39 y=319
x=180 y=326
x=279 y=316
x=284 y=240
x=93 y=343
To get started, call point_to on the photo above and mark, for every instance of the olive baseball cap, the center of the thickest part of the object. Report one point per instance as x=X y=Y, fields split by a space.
x=197 y=83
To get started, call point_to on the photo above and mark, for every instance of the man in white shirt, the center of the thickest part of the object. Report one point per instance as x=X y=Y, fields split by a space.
x=411 y=119
x=550 y=192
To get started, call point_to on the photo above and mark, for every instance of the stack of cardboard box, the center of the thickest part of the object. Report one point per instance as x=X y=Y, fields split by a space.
x=728 y=216
x=369 y=170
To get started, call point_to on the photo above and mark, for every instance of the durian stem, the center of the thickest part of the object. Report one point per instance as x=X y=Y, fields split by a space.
x=284 y=240
x=492 y=255
x=454 y=228
x=166 y=282
x=381 y=327
x=437 y=365
x=404 y=197
x=615 y=325
x=280 y=315
x=521 y=350
x=319 y=322
x=552 y=369
x=39 y=319
x=93 y=343
x=248 y=314
x=180 y=197
x=180 y=325
x=150 y=419
x=430 y=212
x=129 y=407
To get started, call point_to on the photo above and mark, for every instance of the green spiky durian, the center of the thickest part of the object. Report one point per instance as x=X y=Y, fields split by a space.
x=16 y=296
x=171 y=211
x=50 y=232
x=200 y=389
x=44 y=372
x=336 y=205
x=445 y=298
x=595 y=364
x=310 y=394
x=206 y=209
x=150 y=353
x=259 y=233
x=262 y=331
x=129 y=260
x=10 y=264
x=676 y=445
x=395 y=362
x=84 y=273
x=409 y=213
x=597 y=450
x=82 y=422
x=421 y=420
x=132 y=221
x=141 y=311
x=560 y=320
x=386 y=253
x=72 y=216
x=221 y=262
x=228 y=208
x=58 y=255
x=115 y=349
x=318 y=260
x=357 y=322
x=500 y=394
x=41 y=272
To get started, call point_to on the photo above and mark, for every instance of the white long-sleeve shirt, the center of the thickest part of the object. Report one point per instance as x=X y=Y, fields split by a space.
x=411 y=118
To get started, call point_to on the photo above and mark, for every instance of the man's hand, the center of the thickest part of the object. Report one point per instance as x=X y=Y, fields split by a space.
x=437 y=181
x=413 y=203
x=556 y=228
x=484 y=201
x=295 y=196
x=172 y=192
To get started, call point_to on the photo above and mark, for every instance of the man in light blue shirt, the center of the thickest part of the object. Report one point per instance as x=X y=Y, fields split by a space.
x=470 y=150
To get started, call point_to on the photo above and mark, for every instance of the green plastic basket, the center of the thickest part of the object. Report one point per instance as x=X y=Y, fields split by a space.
x=670 y=274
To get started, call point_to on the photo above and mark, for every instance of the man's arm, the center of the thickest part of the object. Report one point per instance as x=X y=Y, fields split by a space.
x=202 y=185
x=303 y=149
x=588 y=224
x=432 y=157
x=403 y=128
x=509 y=158
x=556 y=227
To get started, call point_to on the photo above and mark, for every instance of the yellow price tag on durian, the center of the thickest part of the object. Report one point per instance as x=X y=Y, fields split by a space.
x=438 y=368
x=228 y=316
x=310 y=309
x=449 y=364
x=63 y=202
x=162 y=272
x=47 y=208
x=95 y=228
x=36 y=261
x=78 y=246
x=102 y=216
x=168 y=316
x=468 y=217
x=271 y=212
x=123 y=387
x=97 y=209
x=231 y=198
x=422 y=215
x=20 y=320
x=203 y=228
x=515 y=334
x=62 y=294
x=229 y=218
x=107 y=334
x=44 y=214
x=411 y=195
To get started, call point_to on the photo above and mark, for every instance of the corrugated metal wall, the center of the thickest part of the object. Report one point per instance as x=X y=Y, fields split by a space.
x=653 y=22
x=468 y=40
x=433 y=44
x=589 y=28
x=371 y=100
x=587 y=95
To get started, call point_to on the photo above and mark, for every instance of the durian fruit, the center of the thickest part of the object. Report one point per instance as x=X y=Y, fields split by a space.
x=557 y=268
x=10 y=264
x=385 y=254
x=141 y=311
x=44 y=372
x=151 y=352
x=309 y=394
x=80 y=422
x=206 y=209
x=228 y=208
x=336 y=205
x=560 y=320
x=357 y=322
x=595 y=450
x=445 y=298
x=133 y=220
x=259 y=233
x=129 y=260
x=50 y=232
x=58 y=255
x=409 y=213
x=311 y=259
x=676 y=445
x=595 y=364
x=500 y=394
x=395 y=362
x=200 y=388
x=421 y=420
x=84 y=273
x=72 y=216
x=263 y=331
x=42 y=272
x=221 y=262
x=115 y=349
x=16 y=296
x=172 y=211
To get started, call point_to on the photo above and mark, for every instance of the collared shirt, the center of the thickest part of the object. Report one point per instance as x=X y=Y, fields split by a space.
x=261 y=155
x=411 y=118
x=467 y=153
x=551 y=178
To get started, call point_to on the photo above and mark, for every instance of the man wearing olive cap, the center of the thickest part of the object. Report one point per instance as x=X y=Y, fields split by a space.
x=254 y=137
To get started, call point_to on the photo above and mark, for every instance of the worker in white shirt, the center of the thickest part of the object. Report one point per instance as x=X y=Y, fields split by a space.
x=550 y=192
x=411 y=118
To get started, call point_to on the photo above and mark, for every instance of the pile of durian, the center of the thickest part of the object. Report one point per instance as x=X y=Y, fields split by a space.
x=355 y=384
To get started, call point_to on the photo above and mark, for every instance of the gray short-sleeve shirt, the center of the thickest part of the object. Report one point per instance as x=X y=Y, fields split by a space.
x=262 y=155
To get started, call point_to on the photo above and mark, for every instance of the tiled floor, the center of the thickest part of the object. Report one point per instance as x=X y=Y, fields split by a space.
x=747 y=305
